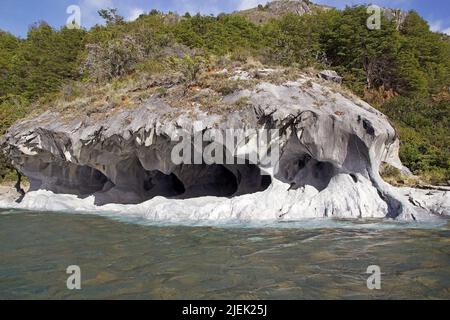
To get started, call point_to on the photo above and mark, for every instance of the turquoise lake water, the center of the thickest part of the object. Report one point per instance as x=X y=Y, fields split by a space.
x=138 y=260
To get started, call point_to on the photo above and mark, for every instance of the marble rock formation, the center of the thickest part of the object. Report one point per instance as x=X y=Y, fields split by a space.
x=331 y=145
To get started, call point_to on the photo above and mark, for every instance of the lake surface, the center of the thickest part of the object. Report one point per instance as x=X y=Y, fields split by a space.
x=137 y=260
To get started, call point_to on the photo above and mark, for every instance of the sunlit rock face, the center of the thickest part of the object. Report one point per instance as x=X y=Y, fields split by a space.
x=331 y=145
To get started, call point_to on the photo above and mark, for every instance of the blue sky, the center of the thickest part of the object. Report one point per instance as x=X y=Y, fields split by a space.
x=17 y=15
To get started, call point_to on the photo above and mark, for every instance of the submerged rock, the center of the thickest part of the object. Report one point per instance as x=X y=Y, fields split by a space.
x=331 y=144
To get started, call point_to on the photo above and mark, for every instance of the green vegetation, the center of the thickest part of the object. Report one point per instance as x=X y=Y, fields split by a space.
x=423 y=126
x=402 y=70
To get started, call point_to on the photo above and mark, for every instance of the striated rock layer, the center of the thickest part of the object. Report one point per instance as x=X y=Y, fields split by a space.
x=331 y=148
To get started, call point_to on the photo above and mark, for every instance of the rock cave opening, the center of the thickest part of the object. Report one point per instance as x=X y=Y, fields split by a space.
x=127 y=182
x=301 y=169
x=216 y=180
x=63 y=177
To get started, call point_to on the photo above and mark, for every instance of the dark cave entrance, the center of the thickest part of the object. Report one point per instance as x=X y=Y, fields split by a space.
x=301 y=169
x=127 y=182
x=89 y=180
x=194 y=181
x=66 y=178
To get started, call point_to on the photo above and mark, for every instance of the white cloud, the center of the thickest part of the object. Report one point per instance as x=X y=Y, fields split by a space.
x=438 y=26
x=205 y=7
x=134 y=13
x=248 y=4
x=435 y=25
x=89 y=11
x=90 y=8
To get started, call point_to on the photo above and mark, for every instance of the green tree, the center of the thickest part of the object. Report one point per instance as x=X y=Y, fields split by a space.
x=111 y=16
x=424 y=58
x=368 y=55
x=295 y=39
x=45 y=60
x=8 y=47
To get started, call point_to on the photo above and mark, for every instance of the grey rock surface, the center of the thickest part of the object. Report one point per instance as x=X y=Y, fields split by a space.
x=281 y=7
x=438 y=202
x=331 y=76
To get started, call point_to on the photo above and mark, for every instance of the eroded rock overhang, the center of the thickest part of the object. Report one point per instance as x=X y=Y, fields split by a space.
x=331 y=147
